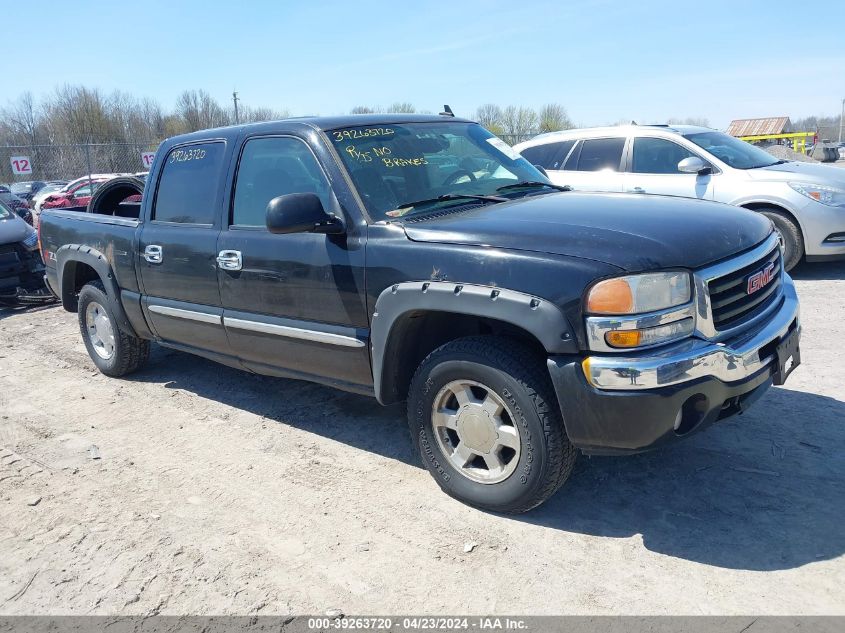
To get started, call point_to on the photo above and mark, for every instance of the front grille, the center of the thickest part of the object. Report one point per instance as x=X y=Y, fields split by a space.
x=730 y=302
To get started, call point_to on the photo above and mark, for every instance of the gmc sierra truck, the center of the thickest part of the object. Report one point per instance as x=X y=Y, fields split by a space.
x=420 y=258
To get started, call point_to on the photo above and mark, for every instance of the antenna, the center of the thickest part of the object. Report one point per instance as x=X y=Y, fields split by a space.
x=447 y=111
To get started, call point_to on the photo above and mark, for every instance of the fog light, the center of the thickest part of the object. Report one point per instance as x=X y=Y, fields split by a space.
x=649 y=336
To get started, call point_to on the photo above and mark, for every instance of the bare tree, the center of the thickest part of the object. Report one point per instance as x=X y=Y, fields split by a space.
x=690 y=120
x=362 y=110
x=402 y=107
x=553 y=117
x=199 y=110
x=22 y=119
x=490 y=116
x=519 y=122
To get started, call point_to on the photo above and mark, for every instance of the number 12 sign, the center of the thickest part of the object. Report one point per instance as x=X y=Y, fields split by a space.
x=21 y=165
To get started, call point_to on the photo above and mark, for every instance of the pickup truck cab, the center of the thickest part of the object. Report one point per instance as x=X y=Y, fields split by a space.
x=420 y=258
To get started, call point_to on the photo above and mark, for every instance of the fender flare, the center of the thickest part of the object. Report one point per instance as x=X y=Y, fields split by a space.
x=67 y=257
x=540 y=317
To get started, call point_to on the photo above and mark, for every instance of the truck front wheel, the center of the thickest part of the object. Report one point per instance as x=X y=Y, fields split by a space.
x=113 y=352
x=485 y=418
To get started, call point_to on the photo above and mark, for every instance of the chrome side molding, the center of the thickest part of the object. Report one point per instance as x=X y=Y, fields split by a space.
x=293 y=332
x=202 y=317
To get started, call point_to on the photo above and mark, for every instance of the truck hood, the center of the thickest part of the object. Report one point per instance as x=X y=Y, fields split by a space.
x=632 y=231
x=805 y=172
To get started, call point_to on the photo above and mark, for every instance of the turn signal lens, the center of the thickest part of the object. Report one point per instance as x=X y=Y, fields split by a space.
x=651 y=335
x=612 y=296
x=623 y=338
x=585 y=367
x=636 y=294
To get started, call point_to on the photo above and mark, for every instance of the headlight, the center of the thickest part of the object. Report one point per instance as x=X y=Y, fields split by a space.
x=31 y=241
x=831 y=196
x=637 y=311
x=636 y=294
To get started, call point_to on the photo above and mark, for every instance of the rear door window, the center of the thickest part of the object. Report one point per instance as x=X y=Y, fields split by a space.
x=189 y=183
x=548 y=155
x=598 y=154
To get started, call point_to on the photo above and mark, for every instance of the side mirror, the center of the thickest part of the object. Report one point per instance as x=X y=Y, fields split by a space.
x=301 y=213
x=694 y=165
x=542 y=170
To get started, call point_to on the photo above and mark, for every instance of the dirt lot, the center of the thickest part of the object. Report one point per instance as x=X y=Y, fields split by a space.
x=194 y=488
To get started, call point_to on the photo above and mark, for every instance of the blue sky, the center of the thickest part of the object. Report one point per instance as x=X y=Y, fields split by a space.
x=604 y=60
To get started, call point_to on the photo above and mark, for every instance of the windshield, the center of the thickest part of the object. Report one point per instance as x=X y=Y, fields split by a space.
x=738 y=154
x=401 y=169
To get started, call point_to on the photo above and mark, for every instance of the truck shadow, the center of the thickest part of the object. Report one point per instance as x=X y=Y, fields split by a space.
x=818 y=271
x=762 y=491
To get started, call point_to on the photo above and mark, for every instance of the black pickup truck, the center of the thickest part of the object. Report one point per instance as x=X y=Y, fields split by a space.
x=420 y=258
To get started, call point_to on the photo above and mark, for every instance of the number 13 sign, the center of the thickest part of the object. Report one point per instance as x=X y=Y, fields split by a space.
x=21 y=165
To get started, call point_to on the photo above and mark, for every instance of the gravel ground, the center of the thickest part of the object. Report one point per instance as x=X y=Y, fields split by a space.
x=194 y=488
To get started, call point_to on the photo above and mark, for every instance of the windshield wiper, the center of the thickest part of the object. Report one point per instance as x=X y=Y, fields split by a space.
x=534 y=183
x=445 y=198
x=777 y=162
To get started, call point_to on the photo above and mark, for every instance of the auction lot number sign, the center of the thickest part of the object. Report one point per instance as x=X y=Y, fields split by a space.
x=147 y=158
x=21 y=165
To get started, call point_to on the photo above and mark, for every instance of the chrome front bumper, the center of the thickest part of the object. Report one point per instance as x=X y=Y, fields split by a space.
x=731 y=360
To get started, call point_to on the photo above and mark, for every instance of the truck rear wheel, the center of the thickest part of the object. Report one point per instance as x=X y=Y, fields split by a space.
x=113 y=352
x=485 y=418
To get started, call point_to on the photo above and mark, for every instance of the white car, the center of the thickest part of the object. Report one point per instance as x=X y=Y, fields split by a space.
x=805 y=201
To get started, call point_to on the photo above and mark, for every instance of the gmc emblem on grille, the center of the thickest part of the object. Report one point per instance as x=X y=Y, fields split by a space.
x=760 y=279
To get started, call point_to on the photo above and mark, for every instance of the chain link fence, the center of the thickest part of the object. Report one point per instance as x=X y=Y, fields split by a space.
x=68 y=162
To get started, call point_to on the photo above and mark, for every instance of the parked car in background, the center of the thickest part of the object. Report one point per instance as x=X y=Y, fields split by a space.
x=21 y=269
x=18 y=205
x=77 y=195
x=25 y=190
x=805 y=201
x=46 y=190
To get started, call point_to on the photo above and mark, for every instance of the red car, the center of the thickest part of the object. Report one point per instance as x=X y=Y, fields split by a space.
x=78 y=196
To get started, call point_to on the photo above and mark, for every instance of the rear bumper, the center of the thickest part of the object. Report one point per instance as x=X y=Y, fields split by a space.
x=636 y=404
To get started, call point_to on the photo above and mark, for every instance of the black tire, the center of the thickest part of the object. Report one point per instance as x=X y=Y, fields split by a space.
x=129 y=352
x=793 y=241
x=108 y=196
x=519 y=378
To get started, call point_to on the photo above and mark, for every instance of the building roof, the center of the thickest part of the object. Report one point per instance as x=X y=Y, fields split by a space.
x=758 y=127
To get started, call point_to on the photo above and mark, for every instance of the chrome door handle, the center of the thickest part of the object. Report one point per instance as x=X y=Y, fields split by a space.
x=637 y=190
x=230 y=260
x=153 y=254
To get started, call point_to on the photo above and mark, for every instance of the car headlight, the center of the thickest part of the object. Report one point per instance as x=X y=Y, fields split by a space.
x=826 y=194
x=636 y=294
x=637 y=311
x=31 y=241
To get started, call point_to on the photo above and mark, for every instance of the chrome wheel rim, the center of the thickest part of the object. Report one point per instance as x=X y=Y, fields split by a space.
x=100 y=330
x=475 y=430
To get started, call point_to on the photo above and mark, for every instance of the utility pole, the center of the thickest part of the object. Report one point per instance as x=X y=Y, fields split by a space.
x=235 y=100
x=841 y=117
